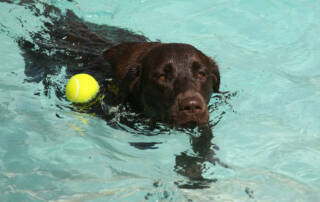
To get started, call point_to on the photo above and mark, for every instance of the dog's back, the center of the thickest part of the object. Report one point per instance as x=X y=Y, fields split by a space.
x=67 y=40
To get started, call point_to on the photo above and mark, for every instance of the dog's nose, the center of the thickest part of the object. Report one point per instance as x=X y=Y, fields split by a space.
x=191 y=105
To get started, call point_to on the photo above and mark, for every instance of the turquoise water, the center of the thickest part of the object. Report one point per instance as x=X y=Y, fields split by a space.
x=269 y=135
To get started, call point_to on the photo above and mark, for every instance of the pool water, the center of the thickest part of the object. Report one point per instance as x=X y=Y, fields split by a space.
x=268 y=135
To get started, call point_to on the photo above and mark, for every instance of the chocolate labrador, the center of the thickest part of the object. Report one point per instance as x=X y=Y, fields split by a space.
x=167 y=82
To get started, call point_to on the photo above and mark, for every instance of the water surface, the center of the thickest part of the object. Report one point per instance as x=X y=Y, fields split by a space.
x=269 y=135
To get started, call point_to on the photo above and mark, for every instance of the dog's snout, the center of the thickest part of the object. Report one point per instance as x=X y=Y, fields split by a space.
x=191 y=105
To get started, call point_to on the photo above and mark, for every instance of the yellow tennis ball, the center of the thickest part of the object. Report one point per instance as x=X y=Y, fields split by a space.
x=81 y=88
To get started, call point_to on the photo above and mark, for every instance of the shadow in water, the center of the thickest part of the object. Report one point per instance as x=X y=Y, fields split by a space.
x=193 y=165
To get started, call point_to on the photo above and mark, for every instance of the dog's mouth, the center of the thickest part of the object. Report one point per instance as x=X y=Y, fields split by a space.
x=191 y=121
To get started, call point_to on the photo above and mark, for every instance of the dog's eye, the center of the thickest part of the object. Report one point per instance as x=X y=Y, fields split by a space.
x=201 y=75
x=162 y=77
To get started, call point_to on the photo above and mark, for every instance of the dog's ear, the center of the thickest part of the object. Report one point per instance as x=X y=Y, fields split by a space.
x=215 y=75
x=99 y=68
x=125 y=60
x=130 y=85
x=133 y=77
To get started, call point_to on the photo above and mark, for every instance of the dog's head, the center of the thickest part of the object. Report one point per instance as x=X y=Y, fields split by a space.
x=175 y=84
